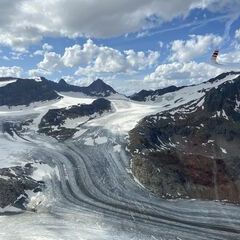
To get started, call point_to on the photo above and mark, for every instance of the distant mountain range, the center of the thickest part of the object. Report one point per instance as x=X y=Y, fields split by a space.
x=17 y=91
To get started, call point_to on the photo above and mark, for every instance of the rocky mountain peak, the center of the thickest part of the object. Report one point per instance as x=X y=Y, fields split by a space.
x=100 y=86
x=62 y=82
x=98 y=81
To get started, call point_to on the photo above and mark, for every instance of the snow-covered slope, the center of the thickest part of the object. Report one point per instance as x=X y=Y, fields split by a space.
x=4 y=83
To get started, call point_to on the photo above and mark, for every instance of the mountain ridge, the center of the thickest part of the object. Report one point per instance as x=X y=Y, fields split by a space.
x=192 y=150
x=21 y=91
x=97 y=88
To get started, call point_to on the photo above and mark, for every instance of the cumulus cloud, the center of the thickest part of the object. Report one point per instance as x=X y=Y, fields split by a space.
x=34 y=19
x=77 y=54
x=230 y=57
x=196 y=46
x=45 y=48
x=113 y=61
x=141 y=60
x=10 y=71
x=92 y=59
x=181 y=73
x=51 y=62
x=105 y=59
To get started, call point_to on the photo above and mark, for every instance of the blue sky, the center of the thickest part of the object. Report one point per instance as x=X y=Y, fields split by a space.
x=131 y=45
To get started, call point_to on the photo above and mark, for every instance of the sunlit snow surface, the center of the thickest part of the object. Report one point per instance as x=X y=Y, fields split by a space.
x=5 y=83
x=91 y=193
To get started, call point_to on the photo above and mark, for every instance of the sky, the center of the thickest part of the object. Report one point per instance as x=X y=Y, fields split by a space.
x=132 y=45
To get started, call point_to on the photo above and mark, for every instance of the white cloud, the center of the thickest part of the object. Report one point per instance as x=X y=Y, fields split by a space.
x=141 y=60
x=181 y=73
x=24 y=22
x=196 y=46
x=142 y=34
x=92 y=59
x=39 y=52
x=77 y=55
x=230 y=57
x=45 y=48
x=111 y=61
x=38 y=73
x=51 y=62
x=10 y=71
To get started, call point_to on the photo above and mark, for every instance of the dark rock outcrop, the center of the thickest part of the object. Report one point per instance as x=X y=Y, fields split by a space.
x=14 y=182
x=52 y=123
x=192 y=153
x=144 y=95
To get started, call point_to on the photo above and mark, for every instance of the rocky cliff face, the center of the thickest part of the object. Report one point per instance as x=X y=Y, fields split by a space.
x=193 y=150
